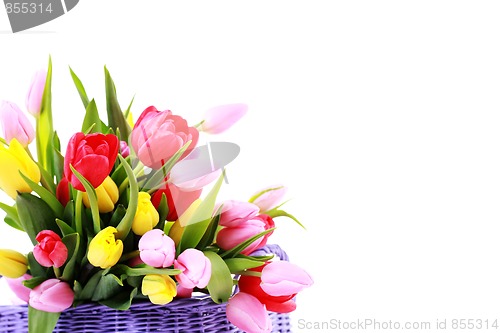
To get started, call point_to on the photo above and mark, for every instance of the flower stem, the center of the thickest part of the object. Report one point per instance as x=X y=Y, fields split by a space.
x=129 y=255
x=57 y=272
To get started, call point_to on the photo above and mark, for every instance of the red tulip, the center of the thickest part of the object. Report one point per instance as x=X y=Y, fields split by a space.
x=50 y=250
x=177 y=200
x=92 y=155
x=62 y=191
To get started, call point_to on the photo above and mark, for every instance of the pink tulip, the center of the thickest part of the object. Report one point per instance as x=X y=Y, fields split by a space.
x=50 y=250
x=18 y=288
x=281 y=278
x=35 y=93
x=269 y=198
x=184 y=292
x=229 y=237
x=15 y=124
x=195 y=268
x=248 y=314
x=157 y=249
x=235 y=212
x=157 y=136
x=124 y=149
x=52 y=295
x=221 y=118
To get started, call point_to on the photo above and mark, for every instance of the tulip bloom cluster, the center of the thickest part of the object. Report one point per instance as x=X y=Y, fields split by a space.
x=118 y=213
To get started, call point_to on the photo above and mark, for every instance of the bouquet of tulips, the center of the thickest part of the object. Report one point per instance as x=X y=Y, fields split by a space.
x=118 y=216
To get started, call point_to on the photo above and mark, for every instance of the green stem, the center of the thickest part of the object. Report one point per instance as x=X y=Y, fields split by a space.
x=129 y=255
x=57 y=272
x=78 y=213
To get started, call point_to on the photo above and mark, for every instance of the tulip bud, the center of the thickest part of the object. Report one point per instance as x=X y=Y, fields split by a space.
x=248 y=314
x=35 y=93
x=229 y=237
x=235 y=212
x=146 y=217
x=195 y=268
x=19 y=289
x=157 y=249
x=12 y=264
x=221 y=118
x=124 y=149
x=13 y=160
x=15 y=124
x=104 y=249
x=107 y=196
x=50 y=250
x=269 y=198
x=160 y=289
x=281 y=278
x=52 y=295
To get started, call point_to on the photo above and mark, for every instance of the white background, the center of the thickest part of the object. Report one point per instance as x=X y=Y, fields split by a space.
x=382 y=118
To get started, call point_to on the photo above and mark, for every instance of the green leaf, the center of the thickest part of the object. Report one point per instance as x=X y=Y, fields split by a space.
x=199 y=221
x=92 y=199
x=209 y=236
x=220 y=285
x=11 y=217
x=33 y=282
x=108 y=286
x=58 y=161
x=44 y=126
x=116 y=118
x=162 y=212
x=89 y=288
x=35 y=215
x=278 y=212
x=118 y=215
x=41 y=321
x=157 y=179
x=127 y=111
x=125 y=225
x=237 y=265
x=35 y=268
x=120 y=301
x=45 y=195
x=92 y=119
x=243 y=245
x=65 y=228
x=72 y=243
x=141 y=270
x=69 y=213
x=46 y=179
x=80 y=88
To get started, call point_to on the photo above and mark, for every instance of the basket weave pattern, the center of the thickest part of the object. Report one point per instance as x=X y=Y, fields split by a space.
x=197 y=315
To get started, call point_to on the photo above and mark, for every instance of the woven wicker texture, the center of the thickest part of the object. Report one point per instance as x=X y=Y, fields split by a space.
x=197 y=315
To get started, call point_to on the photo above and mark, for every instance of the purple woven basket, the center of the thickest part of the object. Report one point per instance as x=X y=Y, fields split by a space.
x=197 y=315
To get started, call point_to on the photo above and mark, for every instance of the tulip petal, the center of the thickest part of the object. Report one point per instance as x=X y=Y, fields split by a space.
x=248 y=314
x=282 y=278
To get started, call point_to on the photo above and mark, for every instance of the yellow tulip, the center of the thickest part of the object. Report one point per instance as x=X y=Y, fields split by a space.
x=15 y=159
x=146 y=217
x=107 y=196
x=160 y=289
x=178 y=227
x=12 y=264
x=104 y=249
